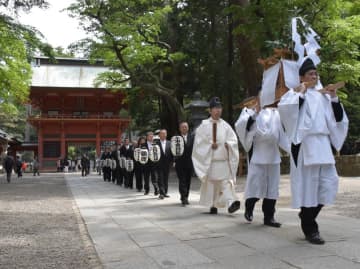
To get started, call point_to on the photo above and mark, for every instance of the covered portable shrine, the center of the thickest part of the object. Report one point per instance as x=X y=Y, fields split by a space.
x=68 y=110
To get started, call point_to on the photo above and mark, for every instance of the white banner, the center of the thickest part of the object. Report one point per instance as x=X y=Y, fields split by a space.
x=268 y=87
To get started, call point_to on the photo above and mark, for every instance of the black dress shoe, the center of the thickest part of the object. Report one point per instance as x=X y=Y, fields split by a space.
x=186 y=202
x=272 y=223
x=183 y=203
x=234 y=207
x=161 y=197
x=315 y=239
x=166 y=195
x=248 y=215
x=156 y=192
x=213 y=210
x=146 y=192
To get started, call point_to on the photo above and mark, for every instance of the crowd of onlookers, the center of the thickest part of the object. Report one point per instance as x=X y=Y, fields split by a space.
x=18 y=166
x=82 y=164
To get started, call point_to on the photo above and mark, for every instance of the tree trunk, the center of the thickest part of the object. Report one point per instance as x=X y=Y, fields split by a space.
x=171 y=109
x=251 y=73
x=230 y=61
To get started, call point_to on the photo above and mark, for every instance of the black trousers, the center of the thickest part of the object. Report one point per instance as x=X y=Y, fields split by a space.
x=107 y=173
x=113 y=175
x=150 y=171
x=184 y=175
x=163 y=175
x=83 y=171
x=8 y=176
x=119 y=175
x=36 y=171
x=268 y=206
x=308 y=216
x=129 y=179
x=139 y=171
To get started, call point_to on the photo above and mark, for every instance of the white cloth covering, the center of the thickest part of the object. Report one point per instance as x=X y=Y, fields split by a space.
x=314 y=179
x=216 y=168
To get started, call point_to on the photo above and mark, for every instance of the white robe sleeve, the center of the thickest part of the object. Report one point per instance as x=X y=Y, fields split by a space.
x=284 y=141
x=338 y=130
x=202 y=153
x=233 y=149
x=288 y=108
x=246 y=137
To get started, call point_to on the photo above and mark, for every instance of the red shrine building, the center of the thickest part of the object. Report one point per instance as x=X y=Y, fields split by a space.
x=68 y=110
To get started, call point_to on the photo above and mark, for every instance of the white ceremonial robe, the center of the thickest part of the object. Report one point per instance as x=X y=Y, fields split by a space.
x=265 y=137
x=216 y=168
x=314 y=179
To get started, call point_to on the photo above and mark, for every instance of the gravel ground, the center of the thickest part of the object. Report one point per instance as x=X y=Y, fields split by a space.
x=40 y=226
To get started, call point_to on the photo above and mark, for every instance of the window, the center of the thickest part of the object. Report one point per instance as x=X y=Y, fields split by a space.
x=51 y=149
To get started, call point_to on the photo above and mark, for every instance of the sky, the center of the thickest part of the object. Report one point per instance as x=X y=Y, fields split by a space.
x=56 y=26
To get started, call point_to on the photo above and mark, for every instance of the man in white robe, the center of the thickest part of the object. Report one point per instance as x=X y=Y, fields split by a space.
x=215 y=158
x=261 y=133
x=315 y=122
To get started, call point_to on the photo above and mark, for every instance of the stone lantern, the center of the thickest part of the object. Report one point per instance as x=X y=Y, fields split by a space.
x=198 y=110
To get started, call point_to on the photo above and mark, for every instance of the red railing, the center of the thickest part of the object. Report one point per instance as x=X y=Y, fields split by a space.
x=71 y=116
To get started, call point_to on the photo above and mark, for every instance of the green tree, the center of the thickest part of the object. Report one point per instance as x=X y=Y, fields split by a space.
x=17 y=45
x=203 y=32
x=266 y=25
x=126 y=34
x=170 y=49
x=15 y=71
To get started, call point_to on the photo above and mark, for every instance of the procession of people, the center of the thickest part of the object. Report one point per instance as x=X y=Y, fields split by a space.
x=306 y=124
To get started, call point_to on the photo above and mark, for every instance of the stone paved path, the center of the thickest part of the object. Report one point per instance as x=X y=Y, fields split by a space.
x=130 y=230
x=41 y=227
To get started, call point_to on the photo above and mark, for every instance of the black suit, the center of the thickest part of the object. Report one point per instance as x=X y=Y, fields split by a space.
x=128 y=153
x=106 y=169
x=184 y=168
x=139 y=170
x=163 y=166
x=150 y=170
x=117 y=173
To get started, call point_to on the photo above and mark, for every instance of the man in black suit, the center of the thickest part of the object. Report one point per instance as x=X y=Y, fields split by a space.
x=183 y=164
x=84 y=164
x=115 y=172
x=163 y=166
x=106 y=157
x=150 y=168
x=127 y=151
x=113 y=158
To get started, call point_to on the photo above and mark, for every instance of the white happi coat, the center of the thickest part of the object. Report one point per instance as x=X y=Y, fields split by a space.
x=264 y=137
x=314 y=179
x=215 y=167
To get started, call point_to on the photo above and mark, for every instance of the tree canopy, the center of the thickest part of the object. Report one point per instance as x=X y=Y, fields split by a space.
x=17 y=46
x=170 y=49
x=167 y=50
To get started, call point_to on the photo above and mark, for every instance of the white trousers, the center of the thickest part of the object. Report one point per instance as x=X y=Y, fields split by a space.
x=217 y=193
x=313 y=184
x=262 y=181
